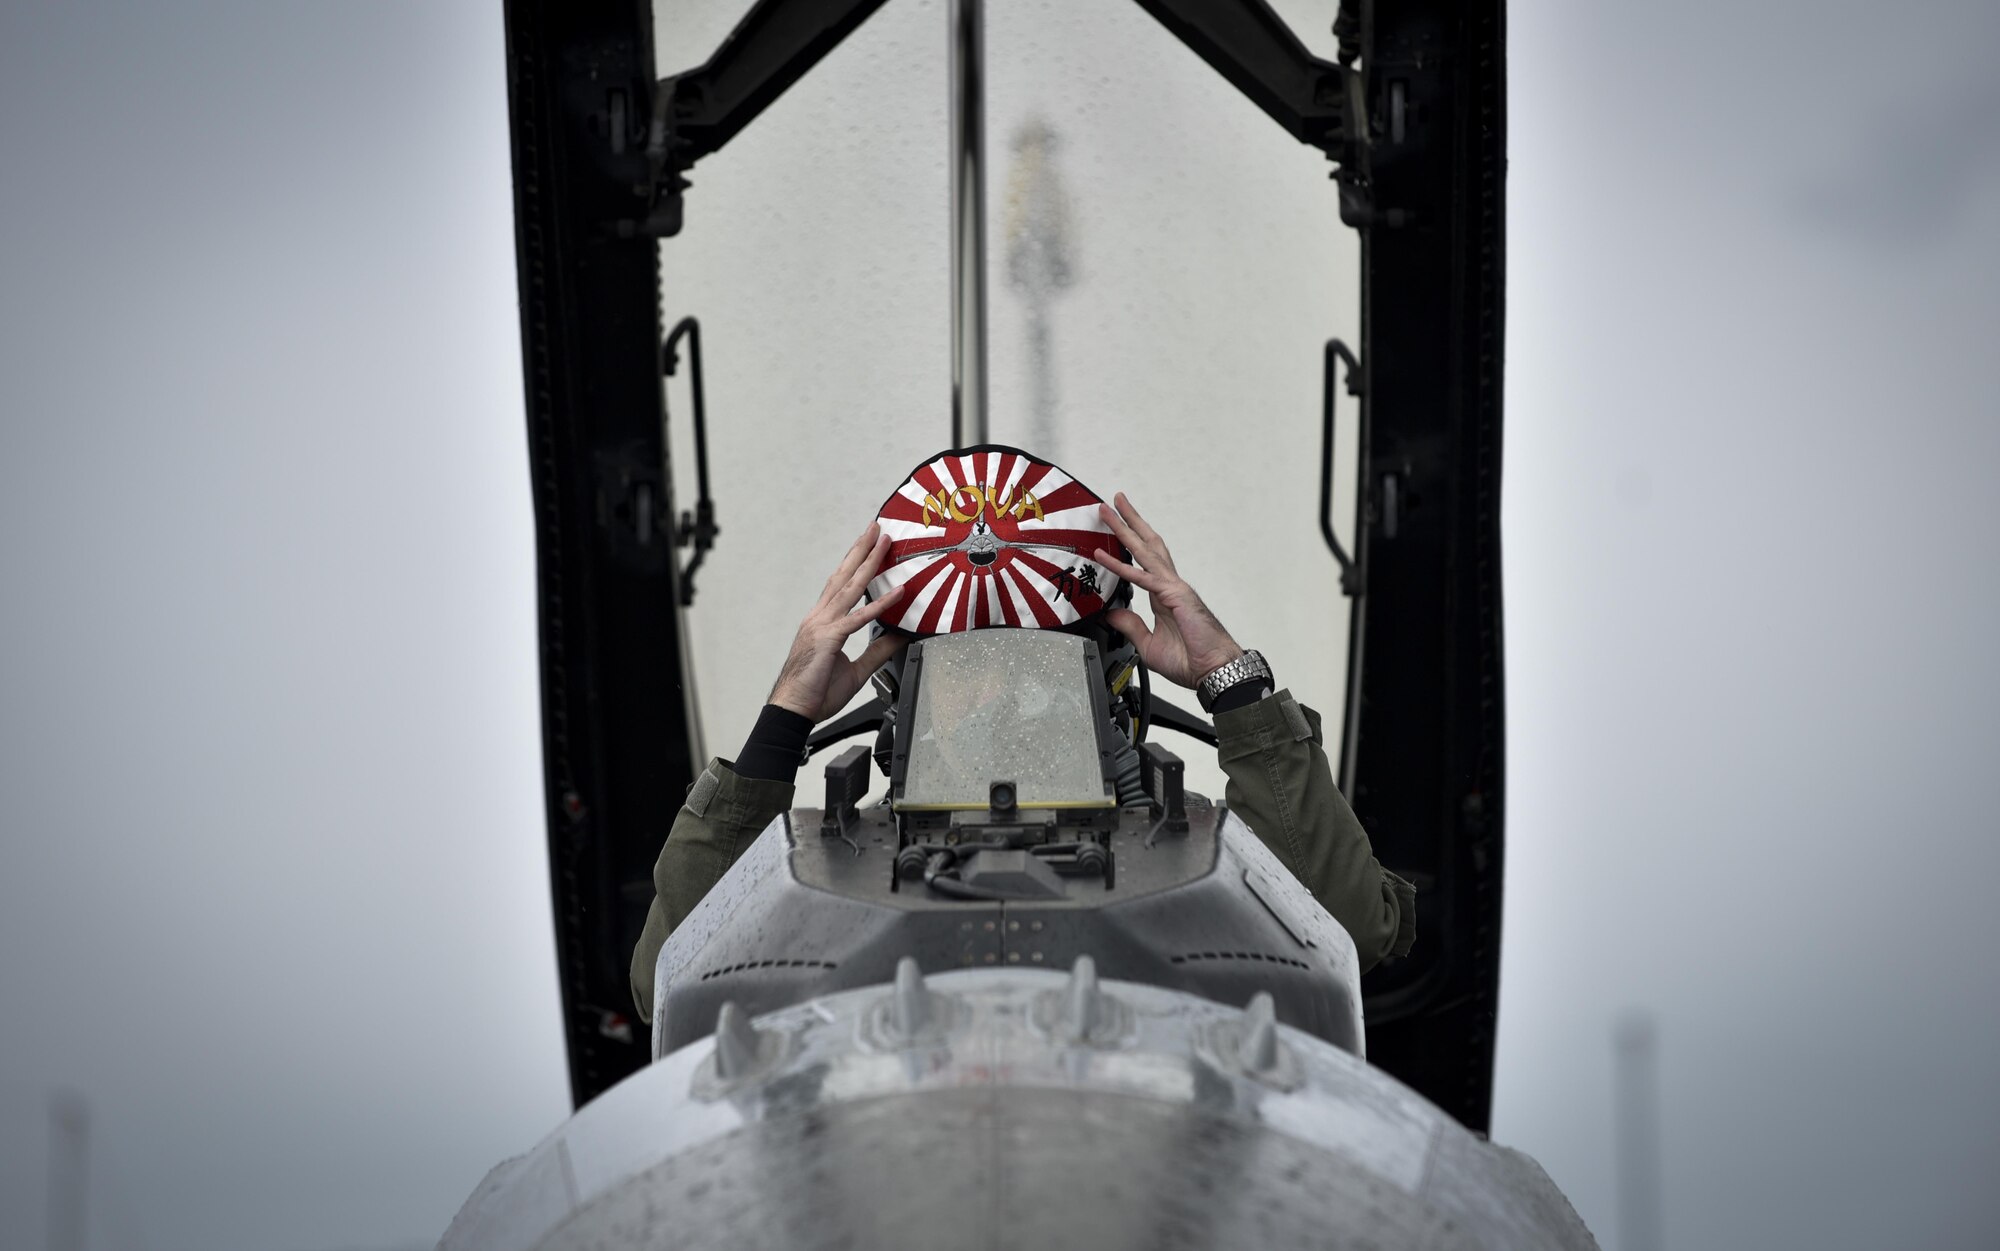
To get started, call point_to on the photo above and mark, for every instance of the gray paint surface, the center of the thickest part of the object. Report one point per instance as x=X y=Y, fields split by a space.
x=987 y=1128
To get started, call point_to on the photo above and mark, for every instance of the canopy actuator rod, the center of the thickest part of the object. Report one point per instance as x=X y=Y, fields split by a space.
x=968 y=222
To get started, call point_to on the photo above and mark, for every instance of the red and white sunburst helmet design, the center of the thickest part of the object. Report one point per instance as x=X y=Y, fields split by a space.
x=991 y=536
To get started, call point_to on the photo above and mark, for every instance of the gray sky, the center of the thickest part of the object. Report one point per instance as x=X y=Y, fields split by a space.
x=1750 y=521
x=276 y=898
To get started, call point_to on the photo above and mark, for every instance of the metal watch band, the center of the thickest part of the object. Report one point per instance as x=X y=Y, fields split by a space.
x=1250 y=665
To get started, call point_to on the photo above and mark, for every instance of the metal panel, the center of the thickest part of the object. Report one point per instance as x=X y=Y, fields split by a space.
x=1210 y=912
x=1014 y=1109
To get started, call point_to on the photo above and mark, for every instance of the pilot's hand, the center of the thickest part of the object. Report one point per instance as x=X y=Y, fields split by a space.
x=1186 y=642
x=818 y=679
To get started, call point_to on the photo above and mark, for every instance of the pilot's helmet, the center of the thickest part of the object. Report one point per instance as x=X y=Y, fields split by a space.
x=991 y=536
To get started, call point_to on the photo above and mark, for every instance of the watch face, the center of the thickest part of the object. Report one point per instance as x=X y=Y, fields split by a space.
x=991 y=536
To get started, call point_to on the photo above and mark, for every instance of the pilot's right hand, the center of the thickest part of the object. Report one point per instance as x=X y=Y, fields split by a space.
x=1186 y=642
x=818 y=679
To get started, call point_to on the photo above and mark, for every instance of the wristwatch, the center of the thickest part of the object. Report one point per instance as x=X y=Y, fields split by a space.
x=1248 y=667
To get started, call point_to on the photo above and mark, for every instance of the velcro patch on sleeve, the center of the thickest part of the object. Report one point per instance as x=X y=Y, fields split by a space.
x=1295 y=718
x=702 y=792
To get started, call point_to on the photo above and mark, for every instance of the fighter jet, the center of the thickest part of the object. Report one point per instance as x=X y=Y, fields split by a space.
x=1067 y=1017
x=1031 y=1000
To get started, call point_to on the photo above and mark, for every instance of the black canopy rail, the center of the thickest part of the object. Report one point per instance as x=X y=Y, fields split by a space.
x=867 y=718
x=697 y=112
x=1169 y=716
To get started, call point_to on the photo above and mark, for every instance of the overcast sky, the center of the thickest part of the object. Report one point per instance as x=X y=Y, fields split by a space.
x=276 y=898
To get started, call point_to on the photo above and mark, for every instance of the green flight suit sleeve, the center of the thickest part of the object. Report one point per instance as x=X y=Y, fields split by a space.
x=1281 y=784
x=721 y=817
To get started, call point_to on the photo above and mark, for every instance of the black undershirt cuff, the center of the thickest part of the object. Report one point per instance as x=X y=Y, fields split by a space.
x=1242 y=695
x=776 y=745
